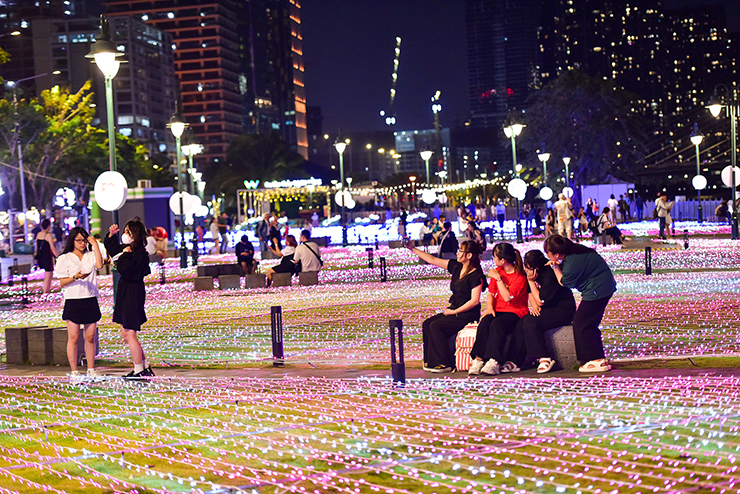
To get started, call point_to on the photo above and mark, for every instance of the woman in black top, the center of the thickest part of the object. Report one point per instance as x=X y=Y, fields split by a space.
x=551 y=305
x=128 y=308
x=467 y=284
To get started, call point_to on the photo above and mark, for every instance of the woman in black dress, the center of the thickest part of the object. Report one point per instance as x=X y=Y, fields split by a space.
x=467 y=284
x=45 y=253
x=128 y=309
x=551 y=305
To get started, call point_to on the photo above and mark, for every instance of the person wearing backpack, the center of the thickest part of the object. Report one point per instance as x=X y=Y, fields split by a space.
x=307 y=256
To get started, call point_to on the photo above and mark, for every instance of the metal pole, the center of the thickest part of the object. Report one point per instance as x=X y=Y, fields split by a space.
x=733 y=134
x=341 y=189
x=193 y=191
x=23 y=196
x=427 y=163
x=698 y=191
x=519 y=237
x=183 y=250
x=111 y=132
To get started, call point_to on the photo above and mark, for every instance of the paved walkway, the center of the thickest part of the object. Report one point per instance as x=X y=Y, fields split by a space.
x=349 y=373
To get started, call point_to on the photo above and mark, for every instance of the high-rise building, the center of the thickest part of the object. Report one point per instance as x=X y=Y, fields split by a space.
x=239 y=66
x=503 y=58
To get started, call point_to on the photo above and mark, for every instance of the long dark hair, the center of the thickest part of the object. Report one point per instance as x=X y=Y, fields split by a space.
x=508 y=253
x=472 y=247
x=69 y=244
x=138 y=234
x=535 y=259
x=557 y=244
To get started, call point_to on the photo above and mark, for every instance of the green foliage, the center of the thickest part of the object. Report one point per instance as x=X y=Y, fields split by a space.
x=589 y=119
x=253 y=157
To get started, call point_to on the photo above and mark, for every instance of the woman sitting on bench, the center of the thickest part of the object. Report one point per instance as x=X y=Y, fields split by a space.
x=605 y=225
x=467 y=284
x=286 y=258
x=551 y=305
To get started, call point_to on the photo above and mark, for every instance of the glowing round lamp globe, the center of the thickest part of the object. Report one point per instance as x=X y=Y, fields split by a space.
x=546 y=193
x=727 y=176
x=568 y=192
x=175 y=202
x=699 y=182
x=518 y=188
x=351 y=203
x=343 y=201
x=195 y=204
x=428 y=196
x=442 y=198
x=111 y=191
x=203 y=211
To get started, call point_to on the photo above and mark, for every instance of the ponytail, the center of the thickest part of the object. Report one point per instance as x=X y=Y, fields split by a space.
x=518 y=264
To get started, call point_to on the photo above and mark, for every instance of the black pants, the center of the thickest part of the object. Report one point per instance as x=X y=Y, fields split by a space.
x=586 y=332
x=533 y=329
x=436 y=334
x=661 y=223
x=490 y=341
x=615 y=233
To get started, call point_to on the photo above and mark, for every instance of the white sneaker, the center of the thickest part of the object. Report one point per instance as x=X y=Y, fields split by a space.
x=475 y=367
x=94 y=375
x=491 y=368
x=75 y=377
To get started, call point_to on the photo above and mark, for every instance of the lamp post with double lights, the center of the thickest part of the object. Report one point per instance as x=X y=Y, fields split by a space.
x=177 y=125
x=340 y=146
x=715 y=107
x=699 y=181
x=545 y=191
x=106 y=56
x=191 y=148
x=512 y=131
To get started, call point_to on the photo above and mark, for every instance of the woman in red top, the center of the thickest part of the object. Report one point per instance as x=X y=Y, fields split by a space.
x=507 y=303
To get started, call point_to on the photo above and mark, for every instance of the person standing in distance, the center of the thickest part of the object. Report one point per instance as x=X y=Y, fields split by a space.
x=128 y=309
x=77 y=270
x=577 y=266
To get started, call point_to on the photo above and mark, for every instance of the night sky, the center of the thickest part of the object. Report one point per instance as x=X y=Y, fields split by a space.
x=348 y=55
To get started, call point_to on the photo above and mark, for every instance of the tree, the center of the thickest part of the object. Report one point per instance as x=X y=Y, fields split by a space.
x=253 y=157
x=589 y=119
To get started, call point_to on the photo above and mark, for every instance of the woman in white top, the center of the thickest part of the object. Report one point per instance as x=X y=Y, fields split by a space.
x=77 y=272
x=213 y=228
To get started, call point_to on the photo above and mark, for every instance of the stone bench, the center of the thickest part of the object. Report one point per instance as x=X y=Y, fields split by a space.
x=59 y=345
x=16 y=344
x=282 y=279
x=395 y=244
x=308 y=278
x=203 y=283
x=256 y=280
x=562 y=346
x=229 y=282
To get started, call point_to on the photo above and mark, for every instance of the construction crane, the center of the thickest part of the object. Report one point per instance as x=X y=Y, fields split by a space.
x=390 y=116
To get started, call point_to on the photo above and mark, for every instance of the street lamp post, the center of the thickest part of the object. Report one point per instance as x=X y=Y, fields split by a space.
x=16 y=130
x=512 y=131
x=566 y=160
x=715 y=107
x=106 y=55
x=177 y=126
x=545 y=191
x=426 y=155
x=191 y=149
x=699 y=182
x=340 y=147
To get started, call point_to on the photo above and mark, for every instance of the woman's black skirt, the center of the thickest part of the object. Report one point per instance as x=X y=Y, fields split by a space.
x=81 y=310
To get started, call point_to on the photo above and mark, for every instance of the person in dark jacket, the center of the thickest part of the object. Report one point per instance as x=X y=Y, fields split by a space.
x=577 y=266
x=447 y=240
x=551 y=305
x=128 y=308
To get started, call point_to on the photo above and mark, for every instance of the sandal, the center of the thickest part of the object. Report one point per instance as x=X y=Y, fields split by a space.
x=509 y=367
x=600 y=365
x=546 y=365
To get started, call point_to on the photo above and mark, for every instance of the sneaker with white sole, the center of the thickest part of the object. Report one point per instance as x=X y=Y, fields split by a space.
x=491 y=368
x=475 y=367
x=94 y=375
x=75 y=377
x=440 y=369
x=509 y=366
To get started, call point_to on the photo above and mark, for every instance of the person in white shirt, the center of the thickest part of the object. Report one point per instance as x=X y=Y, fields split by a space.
x=308 y=254
x=77 y=272
x=565 y=216
x=664 y=212
x=613 y=203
